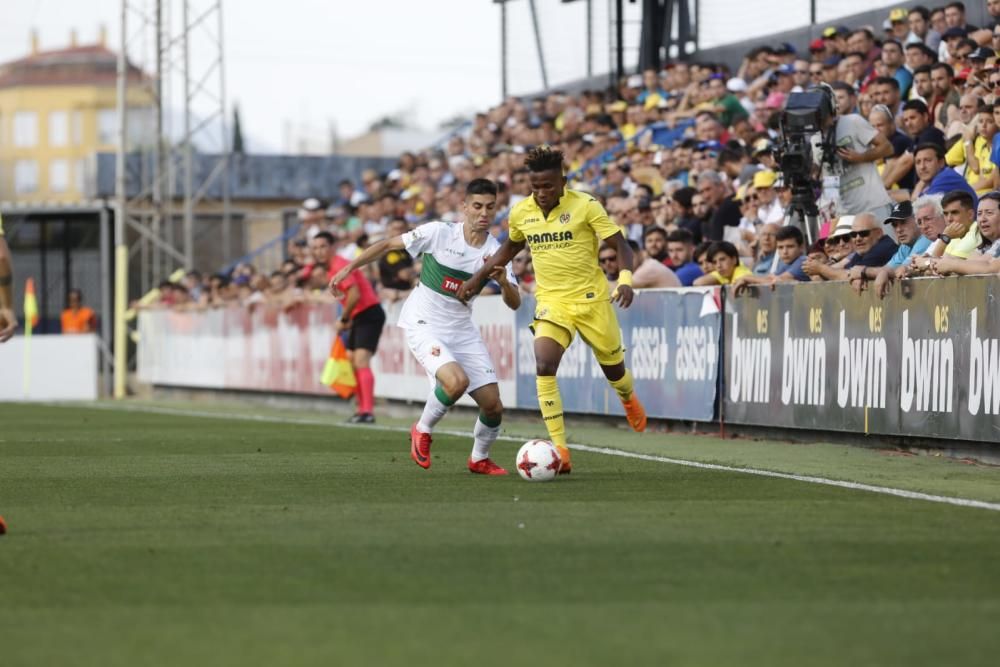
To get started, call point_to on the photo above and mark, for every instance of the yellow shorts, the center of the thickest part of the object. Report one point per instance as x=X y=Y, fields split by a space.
x=596 y=323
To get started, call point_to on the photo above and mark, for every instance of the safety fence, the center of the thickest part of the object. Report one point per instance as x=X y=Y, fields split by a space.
x=924 y=361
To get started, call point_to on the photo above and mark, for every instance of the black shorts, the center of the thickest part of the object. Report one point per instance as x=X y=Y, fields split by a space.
x=366 y=329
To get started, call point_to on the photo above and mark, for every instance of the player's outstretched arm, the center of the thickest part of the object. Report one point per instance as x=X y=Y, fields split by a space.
x=369 y=255
x=501 y=257
x=623 y=293
x=508 y=290
x=8 y=321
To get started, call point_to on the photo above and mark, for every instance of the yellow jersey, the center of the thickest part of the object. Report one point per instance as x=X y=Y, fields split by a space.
x=982 y=148
x=564 y=246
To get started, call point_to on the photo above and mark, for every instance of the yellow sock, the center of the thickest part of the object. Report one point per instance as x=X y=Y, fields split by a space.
x=552 y=409
x=623 y=386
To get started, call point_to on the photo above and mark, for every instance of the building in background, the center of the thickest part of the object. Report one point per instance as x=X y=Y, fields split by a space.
x=57 y=111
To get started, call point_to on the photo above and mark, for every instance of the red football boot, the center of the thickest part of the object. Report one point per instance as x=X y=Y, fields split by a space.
x=485 y=467
x=420 y=447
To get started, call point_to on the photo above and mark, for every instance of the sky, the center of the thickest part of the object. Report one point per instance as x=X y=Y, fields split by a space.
x=301 y=67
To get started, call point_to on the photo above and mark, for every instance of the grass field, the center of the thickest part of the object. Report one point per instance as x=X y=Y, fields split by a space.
x=139 y=538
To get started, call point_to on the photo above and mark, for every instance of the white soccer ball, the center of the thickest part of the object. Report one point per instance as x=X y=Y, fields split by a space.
x=538 y=461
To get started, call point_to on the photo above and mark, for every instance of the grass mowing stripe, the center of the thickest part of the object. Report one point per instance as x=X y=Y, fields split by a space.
x=844 y=484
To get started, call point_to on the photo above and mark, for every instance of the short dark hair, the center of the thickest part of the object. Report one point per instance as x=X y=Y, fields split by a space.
x=724 y=247
x=946 y=67
x=923 y=69
x=892 y=41
x=845 y=87
x=654 y=230
x=862 y=31
x=681 y=236
x=915 y=105
x=961 y=196
x=790 y=232
x=684 y=196
x=920 y=9
x=886 y=81
x=702 y=248
x=986 y=107
x=326 y=236
x=928 y=146
x=481 y=186
x=544 y=158
x=960 y=6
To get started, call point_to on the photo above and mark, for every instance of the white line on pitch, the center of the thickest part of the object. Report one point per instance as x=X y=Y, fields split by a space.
x=857 y=486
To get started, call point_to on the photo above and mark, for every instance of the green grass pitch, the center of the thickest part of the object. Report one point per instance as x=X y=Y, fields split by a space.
x=154 y=539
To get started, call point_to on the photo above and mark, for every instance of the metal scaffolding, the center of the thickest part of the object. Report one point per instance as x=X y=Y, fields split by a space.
x=176 y=50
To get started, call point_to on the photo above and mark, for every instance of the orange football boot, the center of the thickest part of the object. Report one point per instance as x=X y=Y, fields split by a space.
x=566 y=467
x=635 y=413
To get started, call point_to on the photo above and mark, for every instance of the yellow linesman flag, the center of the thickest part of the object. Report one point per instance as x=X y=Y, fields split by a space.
x=338 y=374
x=30 y=304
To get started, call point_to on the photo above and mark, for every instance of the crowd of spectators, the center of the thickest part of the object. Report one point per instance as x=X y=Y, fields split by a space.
x=685 y=161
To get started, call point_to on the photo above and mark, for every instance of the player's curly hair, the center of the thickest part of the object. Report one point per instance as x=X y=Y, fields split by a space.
x=544 y=158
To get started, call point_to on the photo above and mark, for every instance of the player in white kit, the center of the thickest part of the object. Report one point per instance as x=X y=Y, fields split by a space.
x=439 y=327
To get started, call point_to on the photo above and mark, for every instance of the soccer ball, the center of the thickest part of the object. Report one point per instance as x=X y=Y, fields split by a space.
x=538 y=461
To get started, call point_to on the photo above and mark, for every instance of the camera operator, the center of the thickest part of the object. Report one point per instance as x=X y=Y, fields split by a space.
x=858 y=147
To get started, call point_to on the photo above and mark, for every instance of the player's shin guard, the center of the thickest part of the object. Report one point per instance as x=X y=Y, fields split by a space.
x=434 y=409
x=623 y=386
x=552 y=410
x=486 y=433
x=366 y=390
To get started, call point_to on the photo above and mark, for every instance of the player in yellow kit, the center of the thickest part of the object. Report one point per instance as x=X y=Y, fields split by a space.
x=564 y=229
x=8 y=323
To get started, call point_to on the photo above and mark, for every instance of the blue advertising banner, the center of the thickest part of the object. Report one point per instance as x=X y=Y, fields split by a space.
x=671 y=346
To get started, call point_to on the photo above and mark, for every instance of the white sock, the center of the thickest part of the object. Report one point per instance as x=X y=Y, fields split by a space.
x=485 y=437
x=434 y=411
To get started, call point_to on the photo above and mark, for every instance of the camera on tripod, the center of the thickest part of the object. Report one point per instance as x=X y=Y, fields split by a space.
x=806 y=114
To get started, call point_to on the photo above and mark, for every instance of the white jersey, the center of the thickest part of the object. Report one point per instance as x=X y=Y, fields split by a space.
x=448 y=261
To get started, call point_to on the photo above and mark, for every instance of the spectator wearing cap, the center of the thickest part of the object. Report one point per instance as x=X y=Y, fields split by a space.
x=933 y=177
x=908 y=236
x=836 y=38
x=977 y=65
x=837 y=246
x=898 y=27
x=769 y=207
x=819 y=51
x=763 y=152
x=919 y=21
x=872 y=248
x=972 y=153
x=892 y=58
x=681 y=254
x=949 y=40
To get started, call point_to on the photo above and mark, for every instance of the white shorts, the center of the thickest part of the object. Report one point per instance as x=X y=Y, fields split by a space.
x=434 y=349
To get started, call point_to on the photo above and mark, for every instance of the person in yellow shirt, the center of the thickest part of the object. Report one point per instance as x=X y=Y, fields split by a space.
x=8 y=322
x=974 y=151
x=77 y=318
x=728 y=269
x=563 y=228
